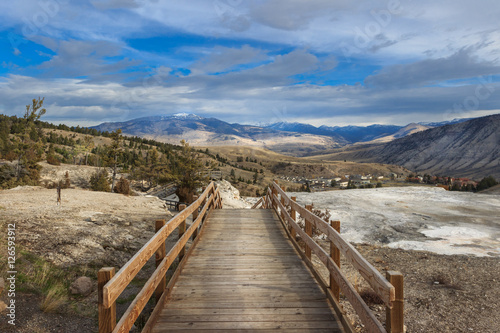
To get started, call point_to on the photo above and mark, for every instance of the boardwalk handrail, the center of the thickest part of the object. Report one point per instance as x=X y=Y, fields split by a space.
x=287 y=208
x=110 y=287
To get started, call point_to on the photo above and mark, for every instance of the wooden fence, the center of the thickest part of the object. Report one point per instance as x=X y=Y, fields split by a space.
x=111 y=285
x=389 y=289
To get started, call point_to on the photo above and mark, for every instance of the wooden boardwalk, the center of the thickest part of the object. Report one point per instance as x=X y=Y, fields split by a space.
x=245 y=275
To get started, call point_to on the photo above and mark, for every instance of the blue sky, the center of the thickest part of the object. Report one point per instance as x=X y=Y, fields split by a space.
x=316 y=61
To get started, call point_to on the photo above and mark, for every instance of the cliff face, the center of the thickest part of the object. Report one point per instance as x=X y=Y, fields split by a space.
x=471 y=148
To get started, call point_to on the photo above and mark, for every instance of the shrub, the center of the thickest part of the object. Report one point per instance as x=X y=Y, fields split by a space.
x=53 y=160
x=123 y=186
x=486 y=182
x=99 y=181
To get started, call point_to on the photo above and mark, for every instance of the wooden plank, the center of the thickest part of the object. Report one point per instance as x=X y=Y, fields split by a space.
x=231 y=304
x=275 y=284
x=261 y=317
x=374 y=278
x=107 y=315
x=247 y=311
x=126 y=274
x=245 y=325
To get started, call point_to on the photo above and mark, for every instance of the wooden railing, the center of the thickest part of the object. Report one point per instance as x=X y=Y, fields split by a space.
x=110 y=286
x=389 y=289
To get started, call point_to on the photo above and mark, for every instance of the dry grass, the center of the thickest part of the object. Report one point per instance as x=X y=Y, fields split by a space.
x=41 y=275
x=55 y=298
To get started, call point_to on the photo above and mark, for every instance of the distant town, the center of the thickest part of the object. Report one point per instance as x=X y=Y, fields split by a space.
x=372 y=181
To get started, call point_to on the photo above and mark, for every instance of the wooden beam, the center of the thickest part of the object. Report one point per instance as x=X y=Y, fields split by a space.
x=395 y=316
x=376 y=280
x=126 y=274
x=160 y=254
x=335 y=255
x=107 y=315
x=257 y=204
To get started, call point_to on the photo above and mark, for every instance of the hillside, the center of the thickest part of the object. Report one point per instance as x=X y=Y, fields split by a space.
x=467 y=149
x=275 y=164
x=213 y=132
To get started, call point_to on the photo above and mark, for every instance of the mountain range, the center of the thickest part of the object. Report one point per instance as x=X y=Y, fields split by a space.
x=211 y=131
x=462 y=147
x=200 y=131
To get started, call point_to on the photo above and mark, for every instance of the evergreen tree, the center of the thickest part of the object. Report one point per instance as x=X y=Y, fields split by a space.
x=187 y=174
x=30 y=149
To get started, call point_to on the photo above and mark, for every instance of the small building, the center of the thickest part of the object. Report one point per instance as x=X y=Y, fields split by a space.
x=359 y=182
x=344 y=184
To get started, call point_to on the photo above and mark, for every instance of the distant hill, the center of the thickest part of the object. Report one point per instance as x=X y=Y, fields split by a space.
x=344 y=134
x=200 y=131
x=469 y=149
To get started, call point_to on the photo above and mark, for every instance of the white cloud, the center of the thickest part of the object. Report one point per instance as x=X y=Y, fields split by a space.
x=221 y=59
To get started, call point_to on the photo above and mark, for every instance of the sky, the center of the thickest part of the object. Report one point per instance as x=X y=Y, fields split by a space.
x=322 y=62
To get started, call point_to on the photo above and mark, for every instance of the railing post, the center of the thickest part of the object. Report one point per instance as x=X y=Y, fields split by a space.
x=395 y=316
x=195 y=216
x=159 y=256
x=293 y=215
x=275 y=193
x=107 y=316
x=283 y=204
x=182 y=230
x=308 y=232
x=335 y=255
